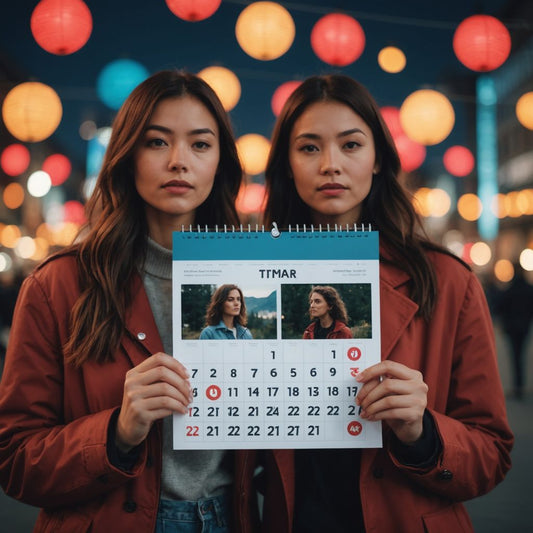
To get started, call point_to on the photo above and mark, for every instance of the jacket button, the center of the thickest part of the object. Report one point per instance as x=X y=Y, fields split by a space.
x=141 y=335
x=445 y=475
x=129 y=506
x=377 y=472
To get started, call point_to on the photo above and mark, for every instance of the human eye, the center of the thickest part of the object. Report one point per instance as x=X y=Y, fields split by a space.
x=155 y=142
x=307 y=148
x=351 y=145
x=201 y=145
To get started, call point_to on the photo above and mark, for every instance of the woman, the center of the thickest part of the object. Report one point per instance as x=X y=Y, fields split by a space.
x=437 y=390
x=226 y=315
x=328 y=312
x=89 y=385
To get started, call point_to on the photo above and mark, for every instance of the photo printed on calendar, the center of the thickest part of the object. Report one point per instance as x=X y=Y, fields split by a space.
x=273 y=331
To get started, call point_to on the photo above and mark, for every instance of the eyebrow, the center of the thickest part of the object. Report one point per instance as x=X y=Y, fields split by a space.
x=339 y=135
x=163 y=129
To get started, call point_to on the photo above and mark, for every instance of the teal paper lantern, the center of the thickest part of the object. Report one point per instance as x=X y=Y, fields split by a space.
x=117 y=79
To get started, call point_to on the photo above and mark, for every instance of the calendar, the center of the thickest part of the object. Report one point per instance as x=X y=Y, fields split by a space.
x=273 y=328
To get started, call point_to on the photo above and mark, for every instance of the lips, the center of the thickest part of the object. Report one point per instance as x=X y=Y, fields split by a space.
x=177 y=186
x=332 y=186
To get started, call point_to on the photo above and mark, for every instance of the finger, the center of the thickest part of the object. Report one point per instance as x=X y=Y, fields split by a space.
x=389 y=406
x=163 y=359
x=365 y=390
x=385 y=368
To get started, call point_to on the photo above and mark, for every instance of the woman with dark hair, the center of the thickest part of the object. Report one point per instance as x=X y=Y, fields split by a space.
x=328 y=312
x=88 y=386
x=437 y=389
x=226 y=315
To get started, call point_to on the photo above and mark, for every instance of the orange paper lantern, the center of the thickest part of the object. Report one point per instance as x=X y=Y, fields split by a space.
x=193 y=10
x=481 y=43
x=15 y=159
x=61 y=27
x=338 y=39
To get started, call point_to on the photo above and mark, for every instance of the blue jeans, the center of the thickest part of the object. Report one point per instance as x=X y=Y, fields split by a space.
x=208 y=515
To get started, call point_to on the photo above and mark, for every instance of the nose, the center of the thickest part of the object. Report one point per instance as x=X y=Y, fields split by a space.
x=329 y=165
x=177 y=161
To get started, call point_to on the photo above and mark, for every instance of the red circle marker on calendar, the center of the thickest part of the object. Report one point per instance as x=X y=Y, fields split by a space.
x=213 y=392
x=354 y=353
x=355 y=428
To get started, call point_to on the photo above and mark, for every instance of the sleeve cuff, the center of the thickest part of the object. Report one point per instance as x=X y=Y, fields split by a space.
x=122 y=461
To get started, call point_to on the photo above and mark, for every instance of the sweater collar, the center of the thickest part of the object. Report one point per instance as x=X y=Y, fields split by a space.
x=158 y=260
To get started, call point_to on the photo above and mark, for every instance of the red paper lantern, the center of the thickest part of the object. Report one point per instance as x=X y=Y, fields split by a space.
x=411 y=153
x=481 y=43
x=193 y=10
x=73 y=211
x=391 y=116
x=250 y=198
x=58 y=167
x=338 y=39
x=15 y=159
x=281 y=94
x=458 y=161
x=61 y=27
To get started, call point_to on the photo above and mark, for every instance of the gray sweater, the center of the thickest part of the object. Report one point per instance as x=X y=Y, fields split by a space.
x=187 y=474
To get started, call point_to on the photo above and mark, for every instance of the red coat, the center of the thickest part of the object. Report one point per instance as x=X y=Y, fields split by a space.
x=456 y=353
x=340 y=331
x=54 y=418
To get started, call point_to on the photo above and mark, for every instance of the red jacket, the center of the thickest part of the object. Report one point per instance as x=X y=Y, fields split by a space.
x=339 y=331
x=456 y=354
x=54 y=418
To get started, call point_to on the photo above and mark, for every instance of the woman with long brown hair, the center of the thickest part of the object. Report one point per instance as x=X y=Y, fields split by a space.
x=88 y=385
x=437 y=389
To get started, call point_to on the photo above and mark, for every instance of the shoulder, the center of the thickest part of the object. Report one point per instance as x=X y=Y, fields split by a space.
x=58 y=270
x=207 y=332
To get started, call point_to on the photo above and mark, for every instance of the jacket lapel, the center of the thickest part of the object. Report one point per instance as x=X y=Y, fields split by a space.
x=397 y=310
x=143 y=337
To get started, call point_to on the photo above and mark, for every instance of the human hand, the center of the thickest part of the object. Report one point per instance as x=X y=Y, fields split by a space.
x=396 y=394
x=154 y=389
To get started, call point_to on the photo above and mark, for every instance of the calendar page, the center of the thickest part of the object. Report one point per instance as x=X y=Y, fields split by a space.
x=247 y=310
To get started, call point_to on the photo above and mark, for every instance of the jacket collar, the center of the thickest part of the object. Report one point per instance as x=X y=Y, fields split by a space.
x=397 y=309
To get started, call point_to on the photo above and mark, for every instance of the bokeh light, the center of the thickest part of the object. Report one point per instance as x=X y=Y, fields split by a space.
x=503 y=270
x=526 y=259
x=15 y=159
x=225 y=84
x=281 y=94
x=253 y=152
x=39 y=183
x=391 y=59
x=58 y=167
x=469 y=207
x=480 y=253
x=13 y=195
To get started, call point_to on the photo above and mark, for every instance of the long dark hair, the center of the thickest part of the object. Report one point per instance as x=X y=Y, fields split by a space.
x=117 y=229
x=333 y=299
x=387 y=207
x=213 y=315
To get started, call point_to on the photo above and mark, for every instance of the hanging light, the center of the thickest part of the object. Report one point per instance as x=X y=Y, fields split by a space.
x=524 y=110
x=481 y=43
x=391 y=59
x=225 y=83
x=193 y=10
x=338 y=39
x=32 y=111
x=15 y=159
x=458 y=161
x=117 y=79
x=281 y=94
x=265 y=30
x=253 y=152
x=61 y=27
x=427 y=116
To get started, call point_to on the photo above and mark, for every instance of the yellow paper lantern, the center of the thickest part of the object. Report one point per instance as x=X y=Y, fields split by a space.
x=392 y=59
x=265 y=30
x=524 y=110
x=225 y=83
x=253 y=152
x=427 y=116
x=32 y=111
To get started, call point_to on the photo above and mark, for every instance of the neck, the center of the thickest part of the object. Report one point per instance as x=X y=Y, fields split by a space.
x=326 y=321
x=229 y=321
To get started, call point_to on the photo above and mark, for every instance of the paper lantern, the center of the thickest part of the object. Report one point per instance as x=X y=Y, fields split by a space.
x=427 y=116
x=265 y=30
x=338 y=39
x=15 y=159
x=391 y=59
x=73 y=211
x=13 y=195
x=281 y=94
x=61 y=27
x=117 y=79
x=391 y=116
x=193 y=10
x=411 y=153
x=481 y=43
x=250 y=198
x=58 y=167
x=225 y=83
x=524 y=110
x=458 y=161
x=253 y=152
x=32 y=111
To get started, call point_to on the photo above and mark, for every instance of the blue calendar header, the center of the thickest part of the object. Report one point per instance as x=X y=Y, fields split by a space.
x=339 y=245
